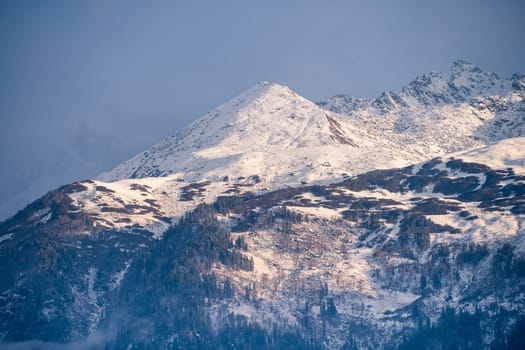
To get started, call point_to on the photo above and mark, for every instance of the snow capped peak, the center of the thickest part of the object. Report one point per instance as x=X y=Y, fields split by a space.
x=464 y=66
x=269 y=137
x=263 y=122
x=463 y=82
x=475 y=81
x=442 y=112
x=268 y=127
x=262 y=90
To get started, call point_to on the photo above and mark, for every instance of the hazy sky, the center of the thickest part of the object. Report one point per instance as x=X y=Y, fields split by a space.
x=85 y=85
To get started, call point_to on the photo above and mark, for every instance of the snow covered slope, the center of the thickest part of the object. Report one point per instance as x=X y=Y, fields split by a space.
x=442 y=112
x=508 y=153
x=154 y=203
x=376 y=239
x=272 y=132
x=268 y=131
x=387 y=251
x=269 y=137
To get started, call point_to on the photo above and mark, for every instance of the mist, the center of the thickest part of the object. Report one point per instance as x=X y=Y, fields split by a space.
x=87 y=85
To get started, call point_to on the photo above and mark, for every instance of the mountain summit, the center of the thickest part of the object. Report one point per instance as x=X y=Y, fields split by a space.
x=250 y=133
x=439 y=113
x=271 y=132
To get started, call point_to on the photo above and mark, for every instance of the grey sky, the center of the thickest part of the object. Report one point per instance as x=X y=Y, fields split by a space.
x=87 y=84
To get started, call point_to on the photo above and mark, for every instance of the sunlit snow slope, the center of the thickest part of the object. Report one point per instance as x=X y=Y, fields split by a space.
x=268 y=131
x=442 y=112
x=269 y=138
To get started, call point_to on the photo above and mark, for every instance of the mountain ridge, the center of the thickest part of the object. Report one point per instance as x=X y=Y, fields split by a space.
x=269 y=136
x=268 y=115
x=476 y=96
x=272 y=222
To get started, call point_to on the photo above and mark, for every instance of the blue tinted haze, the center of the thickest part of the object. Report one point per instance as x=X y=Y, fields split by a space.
x=87 y=84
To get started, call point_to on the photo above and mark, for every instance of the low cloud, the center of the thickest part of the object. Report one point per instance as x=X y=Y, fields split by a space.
x=141 y=329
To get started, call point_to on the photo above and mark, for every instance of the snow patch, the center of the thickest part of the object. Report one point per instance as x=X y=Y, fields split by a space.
x=508 y=153
x=119 y=276
x=6 y=237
